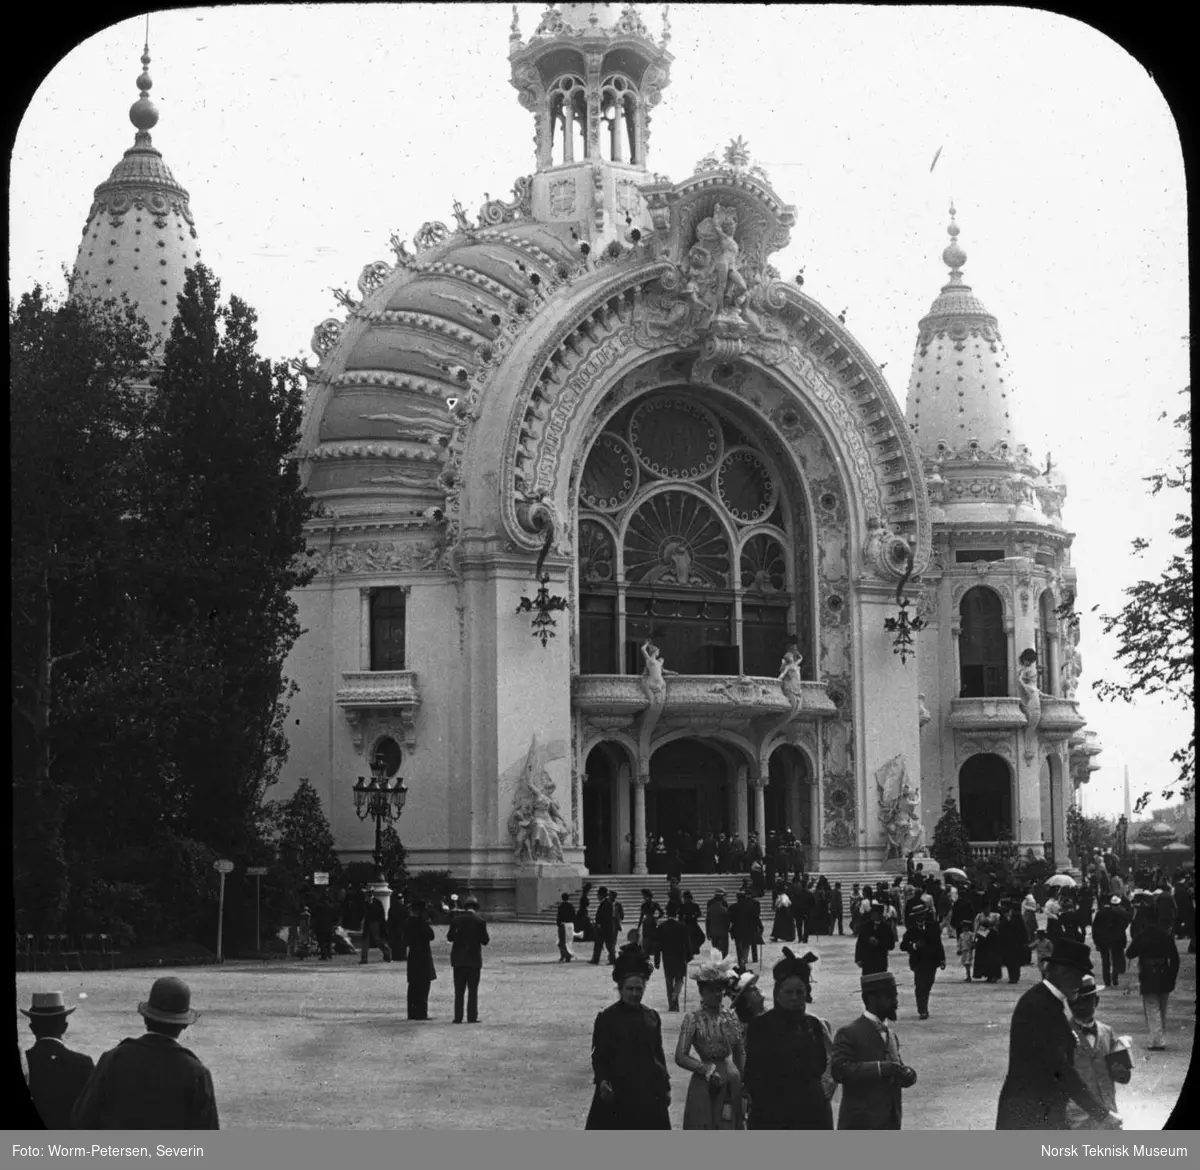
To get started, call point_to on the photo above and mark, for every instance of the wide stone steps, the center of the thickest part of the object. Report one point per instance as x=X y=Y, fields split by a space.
x=703 y=885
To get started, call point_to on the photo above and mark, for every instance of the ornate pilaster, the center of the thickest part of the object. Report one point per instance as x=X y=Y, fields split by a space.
x=639 y=823
x=760 y=808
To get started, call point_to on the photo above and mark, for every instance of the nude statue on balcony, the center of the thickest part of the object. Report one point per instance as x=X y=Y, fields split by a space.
x=653 y=672
x=1031 y=700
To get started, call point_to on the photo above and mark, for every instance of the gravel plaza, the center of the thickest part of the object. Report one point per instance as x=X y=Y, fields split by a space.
x=295 y=1043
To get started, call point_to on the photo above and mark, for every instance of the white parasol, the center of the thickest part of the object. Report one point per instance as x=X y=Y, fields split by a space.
x=1065 y=880
x=954 y=873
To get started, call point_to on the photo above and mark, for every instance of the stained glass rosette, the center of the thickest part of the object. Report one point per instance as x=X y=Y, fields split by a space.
x=745 y=487
x=675 y=439
x=610 y=476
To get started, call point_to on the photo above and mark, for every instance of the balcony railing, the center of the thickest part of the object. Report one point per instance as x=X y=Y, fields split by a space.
x=991 y=850
x=997 y=713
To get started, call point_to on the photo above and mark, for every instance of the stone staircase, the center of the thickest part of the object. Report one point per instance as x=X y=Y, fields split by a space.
x=629 y=888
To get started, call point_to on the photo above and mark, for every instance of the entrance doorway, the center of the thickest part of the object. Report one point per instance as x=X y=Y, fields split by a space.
x=985 y=793
x=689 y=791
x=601 y=852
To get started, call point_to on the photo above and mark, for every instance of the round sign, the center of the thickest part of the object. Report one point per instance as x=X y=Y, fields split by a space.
x=223 y=866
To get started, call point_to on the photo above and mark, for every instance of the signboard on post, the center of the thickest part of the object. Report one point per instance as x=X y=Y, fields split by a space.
x=256 y=871
x=320 y=879
x=222 y=867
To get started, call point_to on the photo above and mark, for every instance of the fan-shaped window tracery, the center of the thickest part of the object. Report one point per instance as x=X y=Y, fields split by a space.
x=679 y=481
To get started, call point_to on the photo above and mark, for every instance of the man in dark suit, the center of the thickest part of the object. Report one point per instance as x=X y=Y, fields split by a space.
x=745 y=923
x=56 y=1074
x=866 y=1060
x=675 y=949
x=605 y=928
x=875 y=939
x=1041 y=1050
x=926 y=955
x=151 y=1082
x=397 y=916
x=374 y=930
x=468 y=935
x=716 y=922
x=837 y=908
x=565 y=920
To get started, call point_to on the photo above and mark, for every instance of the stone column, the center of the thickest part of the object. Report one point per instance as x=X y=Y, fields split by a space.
x=760 y=809
x=741 y=792
x=1052 y=686
x=1010 y=636
x=956 y=662
x=620 y=820
x=364 y=629
x=639 y=823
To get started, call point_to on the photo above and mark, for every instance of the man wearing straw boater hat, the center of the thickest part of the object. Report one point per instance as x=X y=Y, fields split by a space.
x=151 y=1082
x=866 y=1060
x=1042 y=1076
x=56 y=1074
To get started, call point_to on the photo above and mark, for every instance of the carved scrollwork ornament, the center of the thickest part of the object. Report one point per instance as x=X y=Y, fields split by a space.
x=430 y=234
x=325 y=336
x=373 y=277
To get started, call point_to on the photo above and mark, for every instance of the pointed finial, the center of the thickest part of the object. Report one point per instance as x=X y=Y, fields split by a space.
x=953 y=256
x=514 y=33
x=666 y=31
x=143 y=113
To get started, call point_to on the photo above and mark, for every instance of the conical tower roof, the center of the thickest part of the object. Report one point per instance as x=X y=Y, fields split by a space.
x=960 y=391
x=140 y=237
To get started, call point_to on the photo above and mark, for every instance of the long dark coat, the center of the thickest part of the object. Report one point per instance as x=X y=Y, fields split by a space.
x=627 y=1051
x=1041 y=1067
x=785 y=1058
x=418 y=937
x=875 y=939
x=1014 y=942
x=151 y=1082
x=869 y=1100
x=56 y=1078
x=1158 y=960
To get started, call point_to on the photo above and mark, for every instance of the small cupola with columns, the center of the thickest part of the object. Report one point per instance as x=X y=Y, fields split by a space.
x=590 y=74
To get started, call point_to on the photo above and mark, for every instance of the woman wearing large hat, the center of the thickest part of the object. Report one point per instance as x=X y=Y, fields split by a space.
x=633 y=1087
x=714 y=1098
x=787 y=1055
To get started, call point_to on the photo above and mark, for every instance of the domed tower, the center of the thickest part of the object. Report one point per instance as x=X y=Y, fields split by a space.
x=591 y=74
x=999 y=651
x=140 y=237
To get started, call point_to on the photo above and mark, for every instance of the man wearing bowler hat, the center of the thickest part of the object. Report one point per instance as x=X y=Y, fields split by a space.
x=468 y=935
x=151 y=1082
x=1042 y=1076
x=866 y=1060
x=56 y=1074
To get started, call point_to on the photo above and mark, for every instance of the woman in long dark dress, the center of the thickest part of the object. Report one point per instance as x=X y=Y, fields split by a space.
x=633 y=1087
x=583 y=921
x=988 y=961
x=783 y=929
x=689 y=915
x=787 y=1056
x=418 y=938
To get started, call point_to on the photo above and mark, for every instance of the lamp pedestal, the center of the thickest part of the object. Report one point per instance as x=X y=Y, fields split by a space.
x=381 y=890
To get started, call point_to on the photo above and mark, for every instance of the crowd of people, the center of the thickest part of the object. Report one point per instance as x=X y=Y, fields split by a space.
x=755 y=1066
x=752 y=1065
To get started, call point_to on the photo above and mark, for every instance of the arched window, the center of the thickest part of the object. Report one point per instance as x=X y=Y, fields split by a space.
x=618 y=120
x=985 y=795
x=982 y=645
x=568 y=120
x=387 y=629
x=701 y=560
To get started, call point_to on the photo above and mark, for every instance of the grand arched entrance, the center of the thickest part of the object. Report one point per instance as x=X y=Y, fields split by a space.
x=790 y=797
x=607 y=810
x=985 y=794
x=690 y=791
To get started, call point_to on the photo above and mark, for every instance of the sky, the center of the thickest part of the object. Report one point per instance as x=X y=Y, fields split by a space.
x=307 y=135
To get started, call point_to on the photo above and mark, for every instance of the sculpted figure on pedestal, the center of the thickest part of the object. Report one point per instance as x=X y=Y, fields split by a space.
x=1031 y=700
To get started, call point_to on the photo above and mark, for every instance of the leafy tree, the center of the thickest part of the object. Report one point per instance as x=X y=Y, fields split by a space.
x=219 y=529
x=1084 y=834
x=951 y=845
x=302 y=836
x=1155 y=627
x=394 y=857
x=76 y=414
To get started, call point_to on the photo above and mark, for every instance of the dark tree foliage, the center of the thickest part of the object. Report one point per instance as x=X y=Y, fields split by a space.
x=1155 y=628
x=76 y=415
x=219 y=530
x=951 y=846
x=303 y=844
x=157 y=522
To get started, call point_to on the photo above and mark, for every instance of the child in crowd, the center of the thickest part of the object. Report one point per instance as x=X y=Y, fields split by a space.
x=966 y=948
x=1042 y=946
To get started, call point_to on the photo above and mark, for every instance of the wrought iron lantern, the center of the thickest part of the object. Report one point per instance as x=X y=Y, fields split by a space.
x=544 y=604
x=902 y=625
x=380 y=801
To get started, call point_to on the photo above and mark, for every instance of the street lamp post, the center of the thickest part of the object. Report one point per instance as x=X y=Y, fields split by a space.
x=1122 y=840
x=383 y=803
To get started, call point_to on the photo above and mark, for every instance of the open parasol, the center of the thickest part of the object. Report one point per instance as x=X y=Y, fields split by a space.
x=954 y=873
x=1065 y=880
